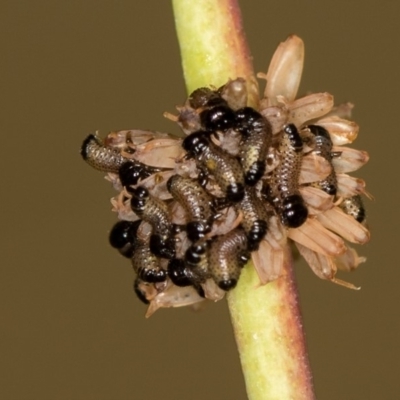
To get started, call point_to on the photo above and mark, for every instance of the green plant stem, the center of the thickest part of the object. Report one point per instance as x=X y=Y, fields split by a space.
x=269 y=335
x=266 y=320
x=213 y=45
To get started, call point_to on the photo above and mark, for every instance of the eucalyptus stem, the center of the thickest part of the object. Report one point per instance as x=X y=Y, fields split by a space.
x=266 y=320
x=213 y=45
x=269 y=335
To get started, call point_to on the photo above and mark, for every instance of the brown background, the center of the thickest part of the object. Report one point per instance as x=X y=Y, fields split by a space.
x=71 y=327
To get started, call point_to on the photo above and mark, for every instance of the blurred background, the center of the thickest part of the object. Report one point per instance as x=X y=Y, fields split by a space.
x=71 y=327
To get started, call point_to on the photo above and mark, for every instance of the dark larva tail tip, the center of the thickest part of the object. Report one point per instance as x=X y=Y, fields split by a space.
x=139 y=293
x=122 y=233
x=291 y=129
x=85 y=144
x=171 y=181
x=218 y=118
x=235 y=192
x=129 y=173
x=245 y=119
x=140 y=192
x=361 y=216
x=294 y=212
x=294 y=137
x=328 y=188
x=197 y=229
x=195 y=253
x=227 y=284
x=179 y=273
x=255 y=173
x=161 y=247
x=256 y=234
x=200 y=290
x=318 y=130
x=195 y=141
x=152 y=275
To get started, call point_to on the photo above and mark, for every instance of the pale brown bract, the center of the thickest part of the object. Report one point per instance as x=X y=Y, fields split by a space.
x=321 y=239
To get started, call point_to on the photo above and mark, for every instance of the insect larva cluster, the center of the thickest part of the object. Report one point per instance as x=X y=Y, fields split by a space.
x=193 y=211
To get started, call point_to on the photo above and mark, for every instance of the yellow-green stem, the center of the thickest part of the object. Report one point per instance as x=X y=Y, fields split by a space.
x=266 y=320
x=213 y=45
x=270 y=338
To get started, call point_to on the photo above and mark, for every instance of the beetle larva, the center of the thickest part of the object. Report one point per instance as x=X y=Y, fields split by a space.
x=323 y=147
x=101 y=157
x=156 y=213
x=257 y=136
x=196 y=202
x=354 y=206
x=284 y=181
x=147 y=265
x=227 y=255
x=225 y=168
x=255 y=218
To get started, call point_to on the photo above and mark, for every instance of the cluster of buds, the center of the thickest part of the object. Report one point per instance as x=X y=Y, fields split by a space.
x=243 y=184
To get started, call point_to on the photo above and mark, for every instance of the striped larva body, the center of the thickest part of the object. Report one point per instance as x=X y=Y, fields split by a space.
x=354 y=206
x=255 y=217
x=101 y=157
x=147 y=265
x=109 y=159
x=196 y=202
x=123 y=236
x=156 y=213
x=225 y=168
x=285 y=180
x=226 y=256
x=256 y=138
x=323 y=147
